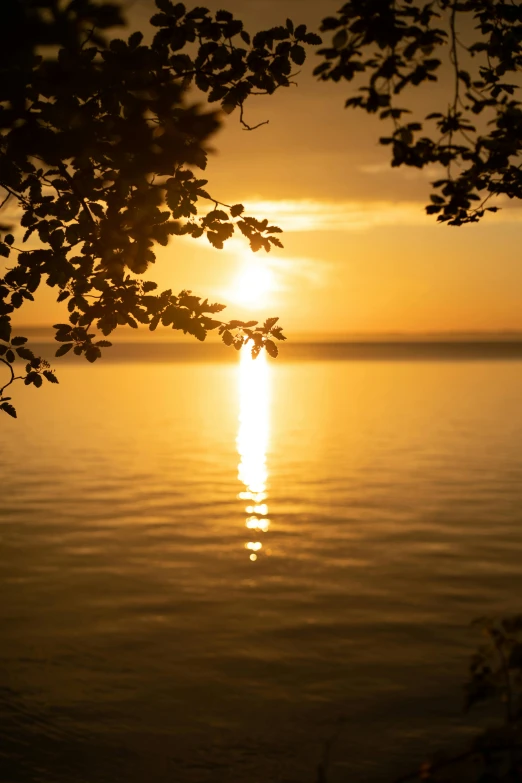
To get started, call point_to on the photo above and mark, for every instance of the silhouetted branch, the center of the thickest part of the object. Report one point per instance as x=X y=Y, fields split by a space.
x=12 y=379
x=6 y=199
x=245 y=125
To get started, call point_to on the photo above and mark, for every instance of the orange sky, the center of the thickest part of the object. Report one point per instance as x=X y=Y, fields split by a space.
x=360 y=255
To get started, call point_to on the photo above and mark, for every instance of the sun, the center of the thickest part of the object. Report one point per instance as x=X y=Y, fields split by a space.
x=253 y=284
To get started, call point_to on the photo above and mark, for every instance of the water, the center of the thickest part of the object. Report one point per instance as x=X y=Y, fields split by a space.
x=210 y=569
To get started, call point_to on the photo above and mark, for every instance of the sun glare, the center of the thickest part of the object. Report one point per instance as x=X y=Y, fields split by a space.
x=253 y=284
x=252 y=443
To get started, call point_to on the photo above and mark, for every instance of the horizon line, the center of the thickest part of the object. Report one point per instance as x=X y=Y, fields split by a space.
x=128 y=335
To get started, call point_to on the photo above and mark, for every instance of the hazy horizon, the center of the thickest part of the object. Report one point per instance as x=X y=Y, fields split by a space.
x=44 y=333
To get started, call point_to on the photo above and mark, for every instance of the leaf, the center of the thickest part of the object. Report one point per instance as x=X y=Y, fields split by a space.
x=271 y=348
x=340 y=39
x=118 y=46
x=8 y=408
x=92 y=353
x=217 y=214
x=51 y=377
x=10 y=356
x=18 y=340
x=63 y=349
x=227 y=338
x=5 y=329
x=9 y=239
x=30 y=377
x=25 y=353
x=236 y=210
x=135 y=39
x=165 y=6
x=270 y=322
x=298 y=54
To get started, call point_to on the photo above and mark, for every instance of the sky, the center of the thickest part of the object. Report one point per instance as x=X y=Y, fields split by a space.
x=360 y=256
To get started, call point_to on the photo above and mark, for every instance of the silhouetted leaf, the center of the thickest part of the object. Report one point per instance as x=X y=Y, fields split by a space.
x=25 y=353
x=92 y=353
x=5 y=329
x=63 y=349
x=271 y=348
x=298 y=54
x=270 y=322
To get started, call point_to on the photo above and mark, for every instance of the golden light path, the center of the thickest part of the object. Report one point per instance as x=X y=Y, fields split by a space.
x=252 y=443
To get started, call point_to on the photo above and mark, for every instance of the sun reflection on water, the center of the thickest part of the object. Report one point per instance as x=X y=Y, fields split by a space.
x=252 y=443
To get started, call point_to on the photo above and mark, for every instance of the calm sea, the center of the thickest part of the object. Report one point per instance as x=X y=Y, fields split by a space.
x=210 y=570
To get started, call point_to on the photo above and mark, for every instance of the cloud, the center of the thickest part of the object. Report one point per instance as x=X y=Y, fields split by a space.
x=406 y=172
x=311 y=215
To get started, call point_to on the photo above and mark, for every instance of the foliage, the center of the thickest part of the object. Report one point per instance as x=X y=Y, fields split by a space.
x=98 y=146
x=495 y=677
x=393 y=45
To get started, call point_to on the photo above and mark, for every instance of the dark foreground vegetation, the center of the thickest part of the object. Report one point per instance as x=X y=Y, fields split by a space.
x=495 y=683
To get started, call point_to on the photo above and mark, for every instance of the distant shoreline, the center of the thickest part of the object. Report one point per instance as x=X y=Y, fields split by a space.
x=124 y=334
x=193 y=351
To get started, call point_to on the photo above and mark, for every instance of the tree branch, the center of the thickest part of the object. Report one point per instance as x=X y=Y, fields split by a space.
x=245 y=125
x=12 y=379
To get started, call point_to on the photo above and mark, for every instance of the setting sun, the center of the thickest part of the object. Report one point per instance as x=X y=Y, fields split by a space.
x=253 y=284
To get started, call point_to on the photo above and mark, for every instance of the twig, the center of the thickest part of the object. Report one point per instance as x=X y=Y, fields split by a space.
x=14 y=193
x=89 y=36
x=6 y=199
x=455 y=62
x=245 y=125
x=12 y=379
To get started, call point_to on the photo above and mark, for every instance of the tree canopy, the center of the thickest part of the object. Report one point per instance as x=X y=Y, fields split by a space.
x=98 y=149
x=99 y=140
x=390 y=46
